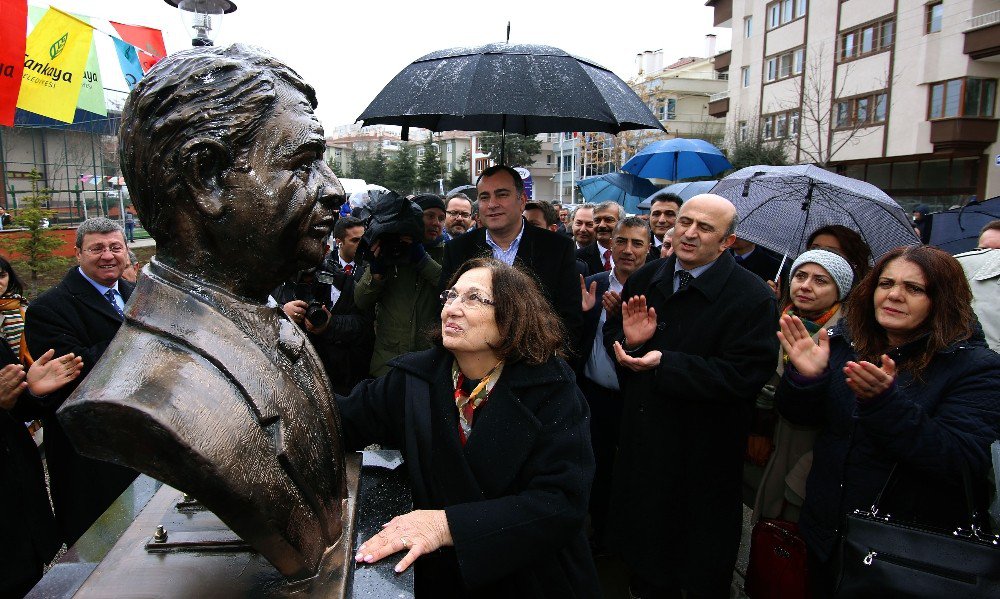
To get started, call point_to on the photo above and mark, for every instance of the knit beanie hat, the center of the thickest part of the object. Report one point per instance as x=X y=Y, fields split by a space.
x=834 y=264
x=429 y=200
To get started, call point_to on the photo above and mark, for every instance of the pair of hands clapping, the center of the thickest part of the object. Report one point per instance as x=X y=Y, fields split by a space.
x=812 y=358
x=45 y=376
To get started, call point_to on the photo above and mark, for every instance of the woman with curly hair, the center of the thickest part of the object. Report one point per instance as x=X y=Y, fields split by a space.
x=495 y=436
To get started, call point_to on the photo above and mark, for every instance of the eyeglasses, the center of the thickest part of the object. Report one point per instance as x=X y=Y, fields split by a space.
x=471 y=299
x=459 y=213
x=98 y=250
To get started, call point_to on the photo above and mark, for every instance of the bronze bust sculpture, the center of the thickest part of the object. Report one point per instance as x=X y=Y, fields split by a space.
x=205 y=387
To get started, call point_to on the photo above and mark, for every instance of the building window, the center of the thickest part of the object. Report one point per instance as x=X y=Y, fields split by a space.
x=935 y=12
x=781 y=125
x=671 y=110
x=785 y=65
x=793 y=123
x=860 y=111
x=768 y=127
x=966 y=96
x=743 y=131
x=747 y=26
x=784 y=11
x=867 y=39
x=745 y=73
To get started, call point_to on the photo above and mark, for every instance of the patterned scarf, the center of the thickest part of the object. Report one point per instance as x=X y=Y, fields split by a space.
x=12 y=320
x=813 y=326
x=467 y=403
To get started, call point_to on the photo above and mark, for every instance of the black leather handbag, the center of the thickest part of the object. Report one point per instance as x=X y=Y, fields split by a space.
x=881 y=557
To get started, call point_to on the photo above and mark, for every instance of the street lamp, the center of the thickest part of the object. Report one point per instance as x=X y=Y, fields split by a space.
x=202 y=17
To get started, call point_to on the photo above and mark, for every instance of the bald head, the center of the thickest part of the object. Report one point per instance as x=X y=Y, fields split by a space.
x=705 y=229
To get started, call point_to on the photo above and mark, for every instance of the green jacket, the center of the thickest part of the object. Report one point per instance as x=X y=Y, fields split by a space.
x=406 y=303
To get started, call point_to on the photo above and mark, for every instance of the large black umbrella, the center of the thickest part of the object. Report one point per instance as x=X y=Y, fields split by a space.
x=956 y=231
x=512 y=88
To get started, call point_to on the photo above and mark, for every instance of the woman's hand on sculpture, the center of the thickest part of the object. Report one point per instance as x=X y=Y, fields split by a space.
x=418 y=533
x=638 y=322
x=809 y=357
x=867 y=380
x=47 y=375
x=12 y=385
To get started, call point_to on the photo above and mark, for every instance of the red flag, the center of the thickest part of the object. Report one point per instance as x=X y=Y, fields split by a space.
x=13 y=30
x=144 y=38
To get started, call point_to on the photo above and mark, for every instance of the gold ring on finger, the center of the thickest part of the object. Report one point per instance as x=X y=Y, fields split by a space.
x=405 y=542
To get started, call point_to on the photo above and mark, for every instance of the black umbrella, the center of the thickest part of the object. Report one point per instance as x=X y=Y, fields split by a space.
x=957 y=230
x=512 y=88
x=462 y=189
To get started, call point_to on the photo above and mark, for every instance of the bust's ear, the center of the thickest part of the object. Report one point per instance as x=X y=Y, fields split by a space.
x=202 y=163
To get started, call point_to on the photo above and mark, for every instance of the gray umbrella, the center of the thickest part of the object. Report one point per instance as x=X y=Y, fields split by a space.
x=780 y=205
x=513 y=88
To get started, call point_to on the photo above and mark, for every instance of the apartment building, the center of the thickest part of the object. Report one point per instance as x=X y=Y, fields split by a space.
x=899 y=93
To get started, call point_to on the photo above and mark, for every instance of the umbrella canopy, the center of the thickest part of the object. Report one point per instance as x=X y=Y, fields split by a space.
x=116 y=180
x=956 y=231
x=516 y=88
x=686 y=191
x=679 y=158
x=628 y=190
x=463 y=189
x=780 y=205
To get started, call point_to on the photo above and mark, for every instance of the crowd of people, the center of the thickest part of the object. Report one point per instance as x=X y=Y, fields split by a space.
x=564 y=382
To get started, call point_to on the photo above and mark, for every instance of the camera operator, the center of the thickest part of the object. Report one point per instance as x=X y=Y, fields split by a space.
x=322 y=301
x=400 y=282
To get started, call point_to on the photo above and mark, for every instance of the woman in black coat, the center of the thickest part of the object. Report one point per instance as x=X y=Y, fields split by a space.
x=907 y=383
x=28 y=537
x=495 y=437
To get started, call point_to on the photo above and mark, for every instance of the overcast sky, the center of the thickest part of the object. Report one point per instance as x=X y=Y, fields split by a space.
x=349 y=50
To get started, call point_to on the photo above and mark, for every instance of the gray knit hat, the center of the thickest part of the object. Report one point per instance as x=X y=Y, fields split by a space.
x=834 y=264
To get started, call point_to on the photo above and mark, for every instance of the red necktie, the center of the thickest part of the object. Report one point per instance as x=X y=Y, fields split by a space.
x=607 y=259
x=348 y=268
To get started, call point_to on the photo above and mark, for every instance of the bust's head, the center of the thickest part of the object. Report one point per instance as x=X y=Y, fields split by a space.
x=222 y=152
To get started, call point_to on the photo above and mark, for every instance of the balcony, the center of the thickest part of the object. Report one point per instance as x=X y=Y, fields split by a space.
x=723 y=12
x=982 y=37
x=722 y=60
x=964 y=133
x=718 y=104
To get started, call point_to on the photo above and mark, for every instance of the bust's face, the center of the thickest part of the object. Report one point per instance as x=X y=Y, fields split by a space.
x=285 y=203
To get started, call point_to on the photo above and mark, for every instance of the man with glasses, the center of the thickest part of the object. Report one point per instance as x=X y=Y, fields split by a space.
x=458 y=215
x=599 y=383
x=81 y=314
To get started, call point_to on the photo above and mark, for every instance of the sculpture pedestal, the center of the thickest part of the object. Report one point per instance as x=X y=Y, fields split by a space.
x=120 y=555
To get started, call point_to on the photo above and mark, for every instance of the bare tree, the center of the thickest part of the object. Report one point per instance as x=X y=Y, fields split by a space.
x=826 y=125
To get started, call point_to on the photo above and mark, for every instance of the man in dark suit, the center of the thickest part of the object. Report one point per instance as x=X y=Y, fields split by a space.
x=597 y=256
x=758 y=260
x=80 y=315
x=695 y=343
x=599 y=381
x=505 y=236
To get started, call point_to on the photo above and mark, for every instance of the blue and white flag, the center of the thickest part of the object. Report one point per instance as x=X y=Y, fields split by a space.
x=129 y=59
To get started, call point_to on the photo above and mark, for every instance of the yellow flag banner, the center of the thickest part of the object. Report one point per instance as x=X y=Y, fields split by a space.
x=55 y=54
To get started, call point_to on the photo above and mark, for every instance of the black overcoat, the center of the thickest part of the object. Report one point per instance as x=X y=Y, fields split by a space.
x=74 y=317
x=676 y=509
x=930 y=426
x=593 y=256
x=515 y=495
x=27 y=528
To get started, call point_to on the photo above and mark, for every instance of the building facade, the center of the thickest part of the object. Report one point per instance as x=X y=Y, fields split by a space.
x=898 y=93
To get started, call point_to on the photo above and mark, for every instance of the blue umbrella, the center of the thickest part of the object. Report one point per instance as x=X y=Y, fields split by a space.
x=628 y=190
x=679 y=158
x=956 y=231
x=686 y=191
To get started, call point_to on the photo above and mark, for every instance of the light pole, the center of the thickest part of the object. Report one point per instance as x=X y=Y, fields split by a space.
x=202 y=17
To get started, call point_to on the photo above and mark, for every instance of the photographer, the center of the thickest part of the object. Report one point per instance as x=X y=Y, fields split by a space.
x=404 y=254
x=321 y=300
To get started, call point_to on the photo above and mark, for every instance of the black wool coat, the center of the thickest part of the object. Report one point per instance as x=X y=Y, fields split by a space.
x=593 y=256
x=548 y=256
x=676 y=504
x=930 y=426
x=74 y=317
x=27 y=528
x=515 y=495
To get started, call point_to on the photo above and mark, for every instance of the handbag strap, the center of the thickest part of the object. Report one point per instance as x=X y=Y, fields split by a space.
x=974 y=530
